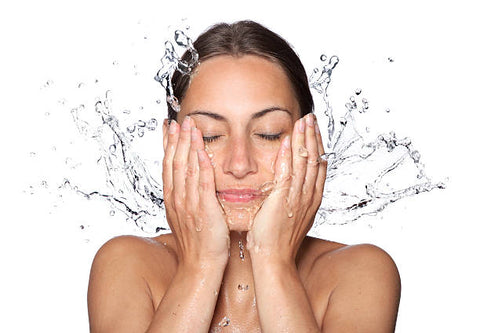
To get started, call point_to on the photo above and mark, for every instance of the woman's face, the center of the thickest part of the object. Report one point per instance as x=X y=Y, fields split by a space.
x=244 y=106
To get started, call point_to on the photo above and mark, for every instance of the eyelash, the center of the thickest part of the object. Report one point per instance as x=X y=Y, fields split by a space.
x=210 y=139
x=268 y=137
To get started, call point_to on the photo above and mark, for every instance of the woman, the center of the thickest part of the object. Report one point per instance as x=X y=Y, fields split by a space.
x=243 y=179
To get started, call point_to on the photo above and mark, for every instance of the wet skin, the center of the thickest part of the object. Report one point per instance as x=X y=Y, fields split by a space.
x=239 y=129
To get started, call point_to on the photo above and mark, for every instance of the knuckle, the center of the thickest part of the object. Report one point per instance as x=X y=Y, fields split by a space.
x=191 y=171
x=177 y=164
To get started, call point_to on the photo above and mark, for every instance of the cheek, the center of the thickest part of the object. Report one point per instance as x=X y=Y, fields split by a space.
x=266 y=161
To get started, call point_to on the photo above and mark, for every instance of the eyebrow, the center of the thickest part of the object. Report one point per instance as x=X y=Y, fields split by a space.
x=256 y=115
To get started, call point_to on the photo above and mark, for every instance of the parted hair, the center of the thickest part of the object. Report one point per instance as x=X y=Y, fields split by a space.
x=247 y=38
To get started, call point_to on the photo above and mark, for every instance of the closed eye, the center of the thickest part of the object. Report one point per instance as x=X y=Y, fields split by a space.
x=210 y=139
x=270 y=137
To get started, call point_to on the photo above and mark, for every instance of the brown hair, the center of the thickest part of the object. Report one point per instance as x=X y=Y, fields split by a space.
x=247 y=38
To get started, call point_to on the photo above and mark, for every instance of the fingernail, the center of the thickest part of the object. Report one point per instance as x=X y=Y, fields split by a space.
x=317 y=130
x=310 y=120
x=194 y=134
x=186 y=123
x=301 y=126
x=172 y=127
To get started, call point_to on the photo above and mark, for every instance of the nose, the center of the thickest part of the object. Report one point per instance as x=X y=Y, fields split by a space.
x=239 y=161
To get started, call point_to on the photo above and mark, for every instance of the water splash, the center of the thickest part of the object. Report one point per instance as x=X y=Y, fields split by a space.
x=319 y=81
x=171 y=62
x=363 y=177
x=133 y=190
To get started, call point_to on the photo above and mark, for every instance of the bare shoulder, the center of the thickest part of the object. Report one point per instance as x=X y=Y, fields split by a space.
x=132 y=252
x=126 y=279
x=361 y=286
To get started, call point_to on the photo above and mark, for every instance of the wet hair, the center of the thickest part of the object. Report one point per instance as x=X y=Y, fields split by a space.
x=247 y=38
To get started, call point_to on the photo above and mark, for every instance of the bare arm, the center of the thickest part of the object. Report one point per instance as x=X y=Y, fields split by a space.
x=366 y=293
x=280 y=227
x=120 y=299
x=282 y=302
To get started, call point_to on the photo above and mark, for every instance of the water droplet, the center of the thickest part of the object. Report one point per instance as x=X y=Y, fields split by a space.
x=140 y=131
x=242 y=249
x=387 y=110
x=131 y=129
x=328 y=156
x=302 y=151
x=173 y=101
x=243 y=287
x=48 y=83
x=224 y=322
x=323 y=57
x=390 y=59
x=415 y=156
x=112 y=212
x=181 y=39
x=358 y=91
x=152 y=124
x=141 y=123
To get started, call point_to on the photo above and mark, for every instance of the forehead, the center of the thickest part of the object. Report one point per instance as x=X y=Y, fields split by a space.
x=239 y=87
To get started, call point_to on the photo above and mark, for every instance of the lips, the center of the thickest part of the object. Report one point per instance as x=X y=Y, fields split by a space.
x=239 y=195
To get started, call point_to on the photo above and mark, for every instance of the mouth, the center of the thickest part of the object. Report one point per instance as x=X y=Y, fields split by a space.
x=239 y=195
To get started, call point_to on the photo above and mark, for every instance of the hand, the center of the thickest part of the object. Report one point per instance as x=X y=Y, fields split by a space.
x=198 y=225
x=289 y=211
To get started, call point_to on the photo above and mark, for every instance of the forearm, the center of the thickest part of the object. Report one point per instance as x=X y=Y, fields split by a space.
x=282 y=302
x=189 y=303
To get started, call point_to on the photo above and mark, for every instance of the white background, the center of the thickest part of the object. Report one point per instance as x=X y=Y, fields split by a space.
x=431 y=88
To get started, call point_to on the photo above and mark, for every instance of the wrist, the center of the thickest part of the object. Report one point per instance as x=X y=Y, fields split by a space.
x=202 y=266
x=271 y=261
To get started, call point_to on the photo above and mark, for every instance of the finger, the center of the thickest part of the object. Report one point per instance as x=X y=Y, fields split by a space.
x=283 y=165
x=180 y=161
x=165 y=134
x=170 y=149
x=299 y=157
x=192 y=173
x=322 y=171
x=206 y=181
x=313 y=154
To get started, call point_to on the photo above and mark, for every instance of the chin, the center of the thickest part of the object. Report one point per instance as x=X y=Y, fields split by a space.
x=238 y=226
x=240 y=219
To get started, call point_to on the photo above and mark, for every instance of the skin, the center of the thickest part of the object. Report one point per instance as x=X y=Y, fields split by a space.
x=245 y=111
